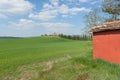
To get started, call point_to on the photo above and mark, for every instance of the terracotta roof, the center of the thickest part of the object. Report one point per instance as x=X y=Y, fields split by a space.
x=107 y=26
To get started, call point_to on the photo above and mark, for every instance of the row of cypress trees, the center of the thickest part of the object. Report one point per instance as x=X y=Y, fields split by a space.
x=72 y=37
x=77 y=37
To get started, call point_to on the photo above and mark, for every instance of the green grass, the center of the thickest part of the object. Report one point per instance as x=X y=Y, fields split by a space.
x=26 y=59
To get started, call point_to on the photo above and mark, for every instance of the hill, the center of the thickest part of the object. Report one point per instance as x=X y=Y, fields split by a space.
x=52 y=58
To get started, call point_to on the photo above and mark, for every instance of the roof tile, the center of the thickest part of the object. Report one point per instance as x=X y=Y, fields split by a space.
x=107 y=26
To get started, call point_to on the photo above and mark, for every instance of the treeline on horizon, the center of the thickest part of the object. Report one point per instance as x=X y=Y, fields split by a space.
x=72 y=37
x=9 y=37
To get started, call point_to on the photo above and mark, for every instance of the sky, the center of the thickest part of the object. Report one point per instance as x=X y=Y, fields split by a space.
x=25 y=18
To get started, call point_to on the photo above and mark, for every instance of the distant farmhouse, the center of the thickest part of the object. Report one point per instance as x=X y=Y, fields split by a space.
x=55 y=34
x=106 y=42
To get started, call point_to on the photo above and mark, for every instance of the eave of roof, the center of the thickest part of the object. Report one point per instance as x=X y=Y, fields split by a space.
x=107 y=26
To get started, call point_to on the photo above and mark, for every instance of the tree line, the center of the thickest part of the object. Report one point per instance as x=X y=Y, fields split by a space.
x=77 y=37
x=72 y=37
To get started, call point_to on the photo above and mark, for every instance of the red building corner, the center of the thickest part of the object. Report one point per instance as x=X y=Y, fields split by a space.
x=106 y=42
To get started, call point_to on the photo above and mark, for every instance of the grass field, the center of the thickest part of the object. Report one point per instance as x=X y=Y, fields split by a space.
x=52 y=58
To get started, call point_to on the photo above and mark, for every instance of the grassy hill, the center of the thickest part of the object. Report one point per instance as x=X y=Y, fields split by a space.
x=52 y=58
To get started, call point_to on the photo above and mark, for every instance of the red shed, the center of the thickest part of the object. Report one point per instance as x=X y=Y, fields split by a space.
x=106 y=42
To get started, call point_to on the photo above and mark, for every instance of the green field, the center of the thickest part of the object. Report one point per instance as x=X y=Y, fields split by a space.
x=52 y=58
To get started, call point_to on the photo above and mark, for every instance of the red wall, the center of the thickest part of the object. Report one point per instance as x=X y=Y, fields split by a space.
x=107 y=45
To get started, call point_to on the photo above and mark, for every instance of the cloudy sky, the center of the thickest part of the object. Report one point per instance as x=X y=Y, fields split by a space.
x=35 y=17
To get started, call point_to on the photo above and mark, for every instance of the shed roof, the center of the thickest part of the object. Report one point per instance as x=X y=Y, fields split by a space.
x=107 y=26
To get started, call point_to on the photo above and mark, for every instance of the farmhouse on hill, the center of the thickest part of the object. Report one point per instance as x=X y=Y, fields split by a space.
x=106 y=42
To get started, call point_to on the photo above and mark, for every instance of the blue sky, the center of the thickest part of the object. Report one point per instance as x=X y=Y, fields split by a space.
x=25 y=18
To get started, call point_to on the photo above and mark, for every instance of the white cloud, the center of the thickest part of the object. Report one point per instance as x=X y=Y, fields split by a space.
x=57 y=26
x=47 y=6
x=63 y=9
x=64 y=16
x=90 y=1
x=23 y=24
x=79 y=2
x=15 y=7
x=50 y=12
x=84 y=0
x=54 y=2
x=76 y=10
x=94 y=2
x=44 y=15
x=3 y=16
x=70 y=0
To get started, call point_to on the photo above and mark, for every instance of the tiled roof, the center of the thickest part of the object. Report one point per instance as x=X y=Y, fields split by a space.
x=107 y=26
